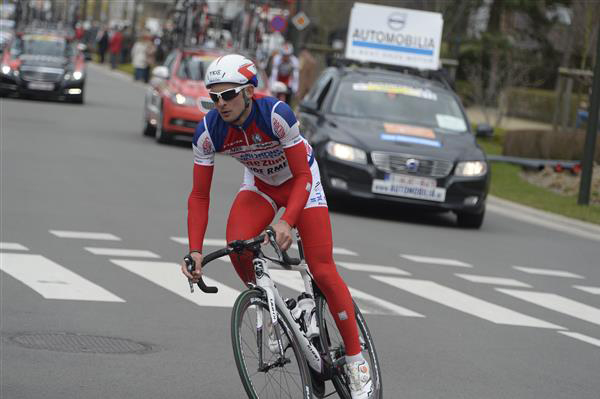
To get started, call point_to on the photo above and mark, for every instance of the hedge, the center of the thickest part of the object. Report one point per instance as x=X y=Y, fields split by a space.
x=535 y=104
x=546 y=144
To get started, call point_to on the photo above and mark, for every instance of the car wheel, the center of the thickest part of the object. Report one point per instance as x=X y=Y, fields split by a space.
x=147 y=128
x=470 y=220
x=161 y=135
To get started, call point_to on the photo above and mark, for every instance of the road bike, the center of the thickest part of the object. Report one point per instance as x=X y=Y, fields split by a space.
x=275 y=354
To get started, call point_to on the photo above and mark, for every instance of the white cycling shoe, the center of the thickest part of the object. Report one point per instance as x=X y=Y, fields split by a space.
x=361 y=385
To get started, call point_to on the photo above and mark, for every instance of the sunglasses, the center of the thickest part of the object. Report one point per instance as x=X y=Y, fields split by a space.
x=226 y=95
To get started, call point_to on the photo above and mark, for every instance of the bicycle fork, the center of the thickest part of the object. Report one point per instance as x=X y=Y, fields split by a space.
x=263 y=280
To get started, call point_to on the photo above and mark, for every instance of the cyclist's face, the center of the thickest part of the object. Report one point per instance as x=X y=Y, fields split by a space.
x=230 y=110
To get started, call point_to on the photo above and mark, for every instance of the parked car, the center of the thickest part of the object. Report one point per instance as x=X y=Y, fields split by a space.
x=396 y=137
x=44 y=64
x=177 y=98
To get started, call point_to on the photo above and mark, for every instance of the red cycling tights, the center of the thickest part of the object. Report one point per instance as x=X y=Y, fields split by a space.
x=251 y=213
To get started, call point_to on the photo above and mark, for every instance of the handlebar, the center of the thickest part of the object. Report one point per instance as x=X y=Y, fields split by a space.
x=239 y=246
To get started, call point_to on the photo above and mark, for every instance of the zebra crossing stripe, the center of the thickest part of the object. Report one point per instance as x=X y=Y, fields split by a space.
x=367 y=303
x=465 y=303
x=84 y=235
x=168 y=275
x=591 y=290
x=435 y=261
x=364 y=267
x=134 y=253
x=557 y=303
x=581 y=337
x=12 y=246
x=509 y=282
x=547 y=272
x=52 y=280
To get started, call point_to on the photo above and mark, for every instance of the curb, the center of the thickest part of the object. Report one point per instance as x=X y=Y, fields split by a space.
x=543 y=218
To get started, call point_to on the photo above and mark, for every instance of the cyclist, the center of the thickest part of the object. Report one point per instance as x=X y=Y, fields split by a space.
x=279 y=171
x=286 y=69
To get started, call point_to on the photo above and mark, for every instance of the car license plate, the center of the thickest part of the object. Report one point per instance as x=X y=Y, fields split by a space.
x=41 y=86
x=409 y=187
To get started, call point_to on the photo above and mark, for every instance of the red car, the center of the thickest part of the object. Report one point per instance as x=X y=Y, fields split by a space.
x=177 y=98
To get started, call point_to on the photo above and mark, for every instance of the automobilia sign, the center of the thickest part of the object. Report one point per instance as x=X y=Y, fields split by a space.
x=392 y=35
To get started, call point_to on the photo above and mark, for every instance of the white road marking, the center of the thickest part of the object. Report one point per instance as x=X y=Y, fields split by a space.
x=12 y=246
x=591 y=290
x=465 y=303
x=547 y=272
x=52 y=280
x=581 y=337
x=364 y=267
x=367 y=303
x=217 y=242
x=135 y=253
x=435 y=261
x=168 y=275
x=493 y=280
x=557 y=303
x=84 y=235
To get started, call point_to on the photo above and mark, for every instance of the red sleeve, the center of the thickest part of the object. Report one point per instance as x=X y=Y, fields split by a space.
x=297 y=160
x=198 y=203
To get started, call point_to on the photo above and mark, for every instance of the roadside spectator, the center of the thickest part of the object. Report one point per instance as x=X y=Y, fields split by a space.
x=150 y=57
x=102 y=40
x=114 y=48
x=308 y=72
x=79 y=31
x=127 y=45
x=139 y=57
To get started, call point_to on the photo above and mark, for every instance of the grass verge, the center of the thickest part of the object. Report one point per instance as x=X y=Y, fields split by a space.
x=507 y=184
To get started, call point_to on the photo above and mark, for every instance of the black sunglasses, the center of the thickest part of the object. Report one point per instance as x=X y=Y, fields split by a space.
x=226 y=95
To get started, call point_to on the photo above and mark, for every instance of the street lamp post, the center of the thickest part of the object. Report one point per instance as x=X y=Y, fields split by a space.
x=592 y=133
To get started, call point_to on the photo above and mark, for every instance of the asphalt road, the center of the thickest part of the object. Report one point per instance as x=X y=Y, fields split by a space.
x=508 y=311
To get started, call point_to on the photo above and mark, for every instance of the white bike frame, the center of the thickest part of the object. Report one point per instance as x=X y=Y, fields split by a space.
x=263 y=280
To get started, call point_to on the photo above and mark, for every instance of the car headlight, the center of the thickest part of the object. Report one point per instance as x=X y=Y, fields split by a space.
x=346 y=152
x=180 y=99
x=77 y=75
x=471 y=168
x=5 y=69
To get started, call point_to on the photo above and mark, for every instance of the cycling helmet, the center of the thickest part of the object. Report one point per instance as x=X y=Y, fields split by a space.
x=279 y=88
x=231 y=68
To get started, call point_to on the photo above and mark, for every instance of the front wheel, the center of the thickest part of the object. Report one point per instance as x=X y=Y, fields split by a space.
x=264 y=373
x=333 y=347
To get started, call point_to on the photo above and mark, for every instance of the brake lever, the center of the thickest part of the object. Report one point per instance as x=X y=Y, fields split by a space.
x=190 y=265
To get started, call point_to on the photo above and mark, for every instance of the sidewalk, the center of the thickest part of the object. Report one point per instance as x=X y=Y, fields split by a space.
x=476 y=115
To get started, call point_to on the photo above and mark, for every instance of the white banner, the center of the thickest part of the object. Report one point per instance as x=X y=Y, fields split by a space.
x=391 y=35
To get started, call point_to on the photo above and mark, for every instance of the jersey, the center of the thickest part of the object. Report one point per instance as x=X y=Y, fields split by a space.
x=270 y=147
x=286 y=72
x=258 y=144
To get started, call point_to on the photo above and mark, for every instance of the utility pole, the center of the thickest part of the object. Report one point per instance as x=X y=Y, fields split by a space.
x=592 y=133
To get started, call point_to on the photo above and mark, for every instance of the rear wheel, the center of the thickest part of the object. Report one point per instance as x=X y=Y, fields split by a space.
x=265 y=374
x=333 y=347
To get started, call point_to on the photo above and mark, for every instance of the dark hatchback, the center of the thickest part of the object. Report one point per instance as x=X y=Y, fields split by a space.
x=396 y=137
x=43 y=64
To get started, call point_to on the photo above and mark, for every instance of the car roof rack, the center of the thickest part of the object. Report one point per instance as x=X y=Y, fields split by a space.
x=438 y=75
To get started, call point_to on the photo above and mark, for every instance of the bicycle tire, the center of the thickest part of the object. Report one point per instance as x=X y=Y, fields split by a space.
x=245 y=359
x=332 y=346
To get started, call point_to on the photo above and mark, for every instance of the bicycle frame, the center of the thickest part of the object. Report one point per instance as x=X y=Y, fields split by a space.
x=265 y=284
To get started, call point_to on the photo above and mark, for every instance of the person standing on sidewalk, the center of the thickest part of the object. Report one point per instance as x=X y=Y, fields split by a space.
x=139 y=57
x=102 y=41
x=114 y=48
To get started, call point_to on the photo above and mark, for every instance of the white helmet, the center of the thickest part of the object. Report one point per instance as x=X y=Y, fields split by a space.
x=279 y=87
x=287 y=49
x=231 y=68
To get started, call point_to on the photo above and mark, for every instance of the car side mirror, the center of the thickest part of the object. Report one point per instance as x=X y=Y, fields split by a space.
x=161 y=72
x=484 y=130
x=309 y=106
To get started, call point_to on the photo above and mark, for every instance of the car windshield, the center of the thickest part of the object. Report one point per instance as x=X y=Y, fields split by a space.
x=192 y=67
x=399 y=102
x=42 y=45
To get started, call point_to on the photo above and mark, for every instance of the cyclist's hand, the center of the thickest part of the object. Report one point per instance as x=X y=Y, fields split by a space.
x=283 y=234
x=196 y=274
